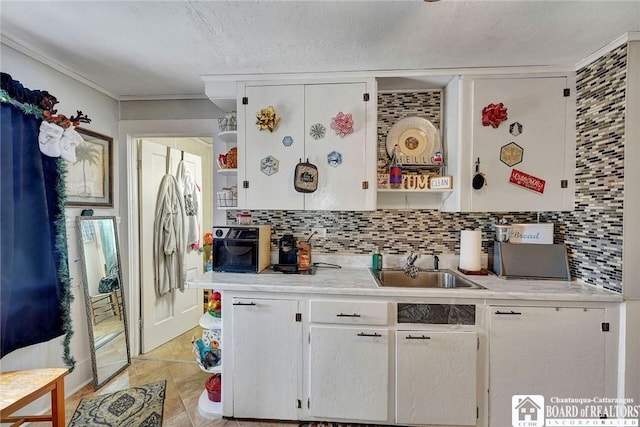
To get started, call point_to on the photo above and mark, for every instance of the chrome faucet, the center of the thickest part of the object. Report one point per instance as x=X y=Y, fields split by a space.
x=436 y=260
x=409 y=268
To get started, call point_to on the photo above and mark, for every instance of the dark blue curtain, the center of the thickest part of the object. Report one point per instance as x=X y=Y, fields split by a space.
x=31 y=291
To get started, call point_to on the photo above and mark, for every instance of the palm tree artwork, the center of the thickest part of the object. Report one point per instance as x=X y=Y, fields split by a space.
x=91 y=154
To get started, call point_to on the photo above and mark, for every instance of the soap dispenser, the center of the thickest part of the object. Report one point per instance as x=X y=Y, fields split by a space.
x=376 y=259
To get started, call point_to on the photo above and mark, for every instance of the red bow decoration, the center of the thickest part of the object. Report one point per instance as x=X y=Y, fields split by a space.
x=494 y=114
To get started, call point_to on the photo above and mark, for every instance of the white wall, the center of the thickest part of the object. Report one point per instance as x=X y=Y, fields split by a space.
x=103 y=111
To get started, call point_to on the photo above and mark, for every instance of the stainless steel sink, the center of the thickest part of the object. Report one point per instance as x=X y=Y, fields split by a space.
x=397 y=278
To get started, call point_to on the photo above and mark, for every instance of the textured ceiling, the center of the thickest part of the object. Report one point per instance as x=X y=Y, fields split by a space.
x=162 y=48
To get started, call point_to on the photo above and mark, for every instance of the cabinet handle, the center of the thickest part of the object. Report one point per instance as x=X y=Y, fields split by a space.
x=363 y=334
x=347 y=315
x=411 y=337
x=514 y=313
x=244 y=303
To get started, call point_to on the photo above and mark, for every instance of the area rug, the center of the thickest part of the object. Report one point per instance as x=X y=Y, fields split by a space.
x=328 y=424
x=140 y=406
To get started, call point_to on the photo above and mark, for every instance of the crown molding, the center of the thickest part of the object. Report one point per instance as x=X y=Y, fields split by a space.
x=40 y=57
x=161 y=97
x=624 y=38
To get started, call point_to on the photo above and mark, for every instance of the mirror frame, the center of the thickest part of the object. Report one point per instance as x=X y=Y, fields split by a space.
x=99 y=382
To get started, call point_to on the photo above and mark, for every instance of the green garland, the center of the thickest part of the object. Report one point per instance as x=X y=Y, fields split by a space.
x=28 y=109
x=63 y=268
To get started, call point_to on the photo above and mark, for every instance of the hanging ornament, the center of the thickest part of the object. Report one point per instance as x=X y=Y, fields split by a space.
x=267 y=119
x=305 y=177
x=334 y=159
x=287 y=141
x=317 y=131
x=269 y=165
x=494 y=114
x=515 y=128
x=511 y=154
x=342 y=124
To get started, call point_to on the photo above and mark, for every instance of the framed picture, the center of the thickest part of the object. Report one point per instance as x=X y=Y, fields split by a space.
x=89 y=179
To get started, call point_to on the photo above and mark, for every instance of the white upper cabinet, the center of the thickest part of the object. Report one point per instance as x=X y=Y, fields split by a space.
x=535 y=145
x=270 y=188
x=346 y=164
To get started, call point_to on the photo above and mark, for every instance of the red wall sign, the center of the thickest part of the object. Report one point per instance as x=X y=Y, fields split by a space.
x=527 y=181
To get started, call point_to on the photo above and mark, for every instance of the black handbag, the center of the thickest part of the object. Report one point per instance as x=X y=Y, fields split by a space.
x=305 y=179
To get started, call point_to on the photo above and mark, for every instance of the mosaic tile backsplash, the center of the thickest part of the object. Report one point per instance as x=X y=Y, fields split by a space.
x=593 y=232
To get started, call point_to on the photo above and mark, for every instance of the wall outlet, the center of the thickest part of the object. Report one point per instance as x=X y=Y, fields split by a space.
x=320 y=232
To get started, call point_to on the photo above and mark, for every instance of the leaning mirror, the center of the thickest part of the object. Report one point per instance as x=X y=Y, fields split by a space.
x=104 y=297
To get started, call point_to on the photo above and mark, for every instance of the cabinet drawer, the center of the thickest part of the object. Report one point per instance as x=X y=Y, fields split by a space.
x=349 y=312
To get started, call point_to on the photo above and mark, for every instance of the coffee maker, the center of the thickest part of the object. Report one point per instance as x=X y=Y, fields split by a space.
x=287 y=254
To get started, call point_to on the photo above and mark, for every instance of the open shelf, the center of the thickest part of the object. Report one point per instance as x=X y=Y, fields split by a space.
x=228 y=171
x=230 y=136
x=207 y=408
x=207 y=321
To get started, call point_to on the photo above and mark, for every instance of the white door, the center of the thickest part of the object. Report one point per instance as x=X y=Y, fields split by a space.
x=270 y=186
x=543 y=351
x=539 y=106
x=348 y=373
x=267 y=358
x=436 y=377
x=340 y=184
x=163 y=317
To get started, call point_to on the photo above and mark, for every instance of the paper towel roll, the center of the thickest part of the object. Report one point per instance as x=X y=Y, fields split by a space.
x=470 y=250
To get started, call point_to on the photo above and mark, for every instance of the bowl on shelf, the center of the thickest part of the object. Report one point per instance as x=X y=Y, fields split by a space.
x=228 y=123
x=228 y=160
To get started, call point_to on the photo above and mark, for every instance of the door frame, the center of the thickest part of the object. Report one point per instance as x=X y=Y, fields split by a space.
x=130 y=130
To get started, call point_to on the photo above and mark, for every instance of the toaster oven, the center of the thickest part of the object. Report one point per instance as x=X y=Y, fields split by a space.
x=241 y=249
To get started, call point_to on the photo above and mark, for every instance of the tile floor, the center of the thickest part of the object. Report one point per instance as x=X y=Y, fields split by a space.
x=174 y=362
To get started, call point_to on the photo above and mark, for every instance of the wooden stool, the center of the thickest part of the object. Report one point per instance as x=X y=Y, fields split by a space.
x=19 y=388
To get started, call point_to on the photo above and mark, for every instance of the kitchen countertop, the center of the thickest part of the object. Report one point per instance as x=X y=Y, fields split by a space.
x=358 y=281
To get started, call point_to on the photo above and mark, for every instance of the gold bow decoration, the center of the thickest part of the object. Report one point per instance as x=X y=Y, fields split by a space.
x=267 y=119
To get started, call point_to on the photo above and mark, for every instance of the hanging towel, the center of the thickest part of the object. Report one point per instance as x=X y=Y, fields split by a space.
x=191 y=193
x=168 y=237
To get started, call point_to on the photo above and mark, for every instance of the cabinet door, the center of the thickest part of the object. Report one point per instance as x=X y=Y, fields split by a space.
x=543 y=351
x=348 y=373
x=340 y=186
x=267 y=356
x=268 y=188
x=436 y=377
x=538 y=104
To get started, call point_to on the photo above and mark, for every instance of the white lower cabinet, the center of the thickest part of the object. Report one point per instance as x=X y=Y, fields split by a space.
x=267 y=358
x=349 y=372
x=436 y=378
x=358 y=364
x=553 y=352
